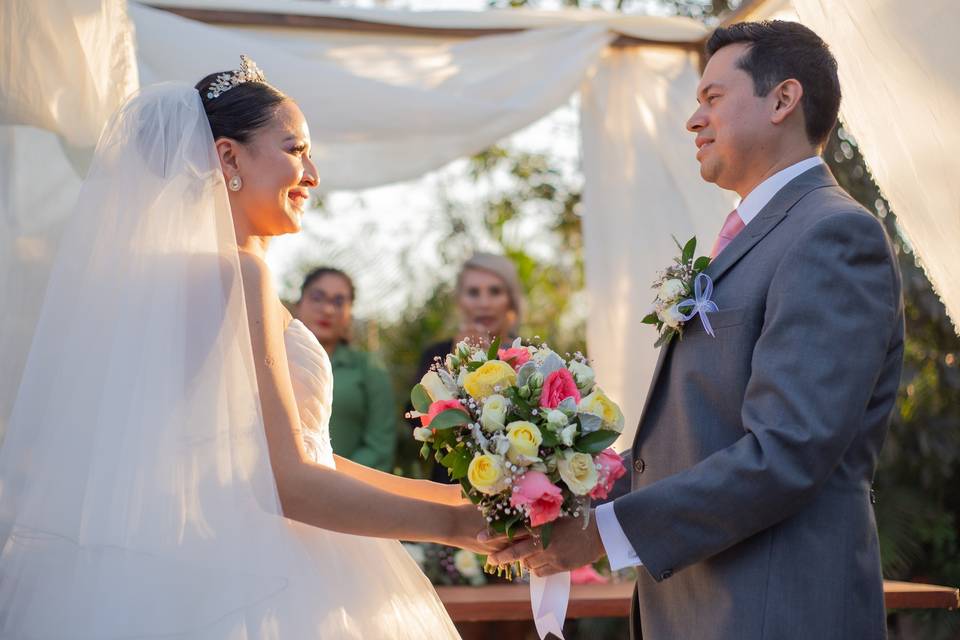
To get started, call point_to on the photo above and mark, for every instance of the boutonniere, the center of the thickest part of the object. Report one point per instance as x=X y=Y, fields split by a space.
x=683 y=291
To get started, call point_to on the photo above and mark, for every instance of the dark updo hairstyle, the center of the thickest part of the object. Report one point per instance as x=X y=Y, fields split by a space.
x=239 y=112
x=319 y=272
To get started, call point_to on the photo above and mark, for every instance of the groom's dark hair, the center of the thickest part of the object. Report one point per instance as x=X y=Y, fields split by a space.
x=780 y=50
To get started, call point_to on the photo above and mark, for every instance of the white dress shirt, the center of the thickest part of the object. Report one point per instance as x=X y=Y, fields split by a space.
x=620 y=552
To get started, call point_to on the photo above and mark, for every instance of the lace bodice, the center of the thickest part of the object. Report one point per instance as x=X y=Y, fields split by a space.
x=313 y=389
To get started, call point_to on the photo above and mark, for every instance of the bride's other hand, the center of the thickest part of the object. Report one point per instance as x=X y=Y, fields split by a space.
x=469 y=531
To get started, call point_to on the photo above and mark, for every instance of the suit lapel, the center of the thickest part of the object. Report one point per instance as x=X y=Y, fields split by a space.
x=769 y=217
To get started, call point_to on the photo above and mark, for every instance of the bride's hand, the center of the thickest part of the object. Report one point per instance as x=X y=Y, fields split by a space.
x=467 y=526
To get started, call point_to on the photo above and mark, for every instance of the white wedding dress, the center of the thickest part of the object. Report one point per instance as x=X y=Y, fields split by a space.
x=136 y=494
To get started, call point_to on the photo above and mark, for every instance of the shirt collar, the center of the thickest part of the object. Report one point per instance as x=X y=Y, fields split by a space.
x=757 y=199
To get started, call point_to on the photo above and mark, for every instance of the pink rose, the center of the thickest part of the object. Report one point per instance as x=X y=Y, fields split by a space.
x=611 y=469
x=541 y=497
x=558 y=386
x=515 y=357
x=439 y=407
x=587 y=575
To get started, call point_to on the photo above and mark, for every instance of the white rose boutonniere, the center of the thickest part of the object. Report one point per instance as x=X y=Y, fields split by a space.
x=683 y=291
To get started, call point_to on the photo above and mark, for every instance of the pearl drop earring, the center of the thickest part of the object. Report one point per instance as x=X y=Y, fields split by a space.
x=235 y=183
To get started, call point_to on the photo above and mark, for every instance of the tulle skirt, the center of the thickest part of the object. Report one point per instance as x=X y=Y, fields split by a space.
x=311 y=583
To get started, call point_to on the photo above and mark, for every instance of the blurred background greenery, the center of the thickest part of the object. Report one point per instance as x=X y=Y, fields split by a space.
x=525 y=197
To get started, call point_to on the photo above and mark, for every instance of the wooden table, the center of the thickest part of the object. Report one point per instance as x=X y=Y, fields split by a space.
x=512 y=601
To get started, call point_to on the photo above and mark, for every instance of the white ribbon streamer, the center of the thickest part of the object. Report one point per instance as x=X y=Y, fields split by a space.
x=549 y=597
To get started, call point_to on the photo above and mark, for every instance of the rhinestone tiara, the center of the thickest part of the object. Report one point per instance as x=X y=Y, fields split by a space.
x=248 y=72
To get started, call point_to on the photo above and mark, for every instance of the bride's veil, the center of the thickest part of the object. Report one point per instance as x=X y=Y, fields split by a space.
x=134 y=469
x=136 y=495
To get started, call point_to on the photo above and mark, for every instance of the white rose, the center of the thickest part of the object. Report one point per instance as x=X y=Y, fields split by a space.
x=466 y=563
x=494 y=413
x=671 y=317
x=557 y=419
x=671 y=290
x=435 y=387
x=582 y=373
x=578 y=471
x=566 y=435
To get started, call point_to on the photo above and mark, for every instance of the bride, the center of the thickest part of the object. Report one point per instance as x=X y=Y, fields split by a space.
x=167 y=470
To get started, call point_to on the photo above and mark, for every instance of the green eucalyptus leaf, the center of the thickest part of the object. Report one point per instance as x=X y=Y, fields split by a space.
x=425 y=450
x=468 y=492
x=701 y=263
x=444 y=437
x=596 y=442
x=473 y=366
x=494 y=348
x=457 y=462
x=508 y=529
x=650 y=319
x=550 y=438
x=449 y=418
x=546 y=532
x=689 y=249
x=420 y=399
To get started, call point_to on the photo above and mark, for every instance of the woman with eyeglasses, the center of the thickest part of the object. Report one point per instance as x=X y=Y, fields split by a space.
x=364 y=418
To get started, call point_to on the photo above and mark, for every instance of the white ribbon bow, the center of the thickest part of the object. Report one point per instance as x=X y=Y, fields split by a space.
x=549 y=597
x=700 y=304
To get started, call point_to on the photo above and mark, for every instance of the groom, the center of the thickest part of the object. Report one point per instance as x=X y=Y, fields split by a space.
x=750 y=510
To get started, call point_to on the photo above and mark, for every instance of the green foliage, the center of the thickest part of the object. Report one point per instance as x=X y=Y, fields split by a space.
x=595 y=442
x=448 y=419
x=420 y=399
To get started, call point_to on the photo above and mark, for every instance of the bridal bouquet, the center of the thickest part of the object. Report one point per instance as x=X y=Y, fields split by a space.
x=525 y=431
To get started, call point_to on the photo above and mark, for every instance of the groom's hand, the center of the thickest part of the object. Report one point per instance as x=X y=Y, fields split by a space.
x=571 y=546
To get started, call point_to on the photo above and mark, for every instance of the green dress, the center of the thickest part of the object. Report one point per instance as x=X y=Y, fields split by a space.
x=363 y=423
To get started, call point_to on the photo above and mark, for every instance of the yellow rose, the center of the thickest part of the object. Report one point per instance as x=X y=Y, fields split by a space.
x=492 y=376
x=599 y=405
x=485 y=473
x=578 y=471
x=525 y=439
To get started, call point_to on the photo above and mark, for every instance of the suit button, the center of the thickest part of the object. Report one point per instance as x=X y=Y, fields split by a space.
x=639 y=465
x=666 y=574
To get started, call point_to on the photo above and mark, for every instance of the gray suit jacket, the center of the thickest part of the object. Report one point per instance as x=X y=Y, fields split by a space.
x=753 y=462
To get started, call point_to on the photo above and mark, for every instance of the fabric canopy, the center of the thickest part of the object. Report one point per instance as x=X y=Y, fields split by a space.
x=652 y=28
x=901 y=101
x=381 y=114
x=388 y=106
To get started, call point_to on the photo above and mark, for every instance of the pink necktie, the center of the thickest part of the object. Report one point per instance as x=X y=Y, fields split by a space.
x=731 y=227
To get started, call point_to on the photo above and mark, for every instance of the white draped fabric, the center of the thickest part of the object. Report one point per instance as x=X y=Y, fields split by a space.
x=384 y=113
x=643 y=186
x=901 y=101
x=386 y=107
x=67 y=65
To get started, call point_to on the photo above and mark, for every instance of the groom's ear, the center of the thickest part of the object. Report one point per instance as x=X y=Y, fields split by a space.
x=786 y=98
